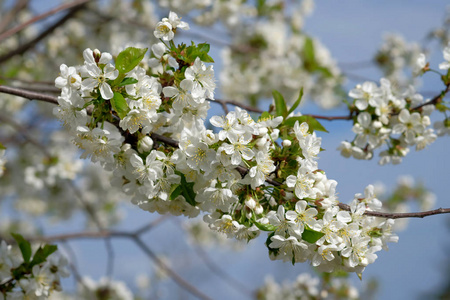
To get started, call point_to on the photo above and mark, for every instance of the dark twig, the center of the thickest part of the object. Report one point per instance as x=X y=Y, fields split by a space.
x=30 y=44
x=422 y=214
x=37 y=18
x=24 y=133
x=28 y=95
x=8 y=17
x=244 y=170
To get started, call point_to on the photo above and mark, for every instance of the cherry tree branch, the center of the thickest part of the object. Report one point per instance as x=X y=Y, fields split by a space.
x=28 y=95
x=28 y=45
x=386 y=215
x=242 y=170
x=37 y=18
x=8 y=17
x=135 y=237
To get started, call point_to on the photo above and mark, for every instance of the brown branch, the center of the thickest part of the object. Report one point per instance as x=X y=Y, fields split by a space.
x=30 y=44
x=28 y=95
x=422 y=214
x=436 y=99
x=8 y=17
x=24 y=133
x=135 y=237
x=37 y=18
x=242 y=170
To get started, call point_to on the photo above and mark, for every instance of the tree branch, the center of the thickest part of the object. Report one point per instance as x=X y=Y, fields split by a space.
x=28 y=95
x=24 y=47
x=242 y=170
x=386 y=215
x=37 y=18
x=8 y=17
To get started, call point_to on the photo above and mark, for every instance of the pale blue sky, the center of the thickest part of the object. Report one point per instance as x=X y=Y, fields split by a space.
x=352 y=30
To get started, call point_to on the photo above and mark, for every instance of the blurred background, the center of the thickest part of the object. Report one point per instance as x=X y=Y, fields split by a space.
x=257 y=47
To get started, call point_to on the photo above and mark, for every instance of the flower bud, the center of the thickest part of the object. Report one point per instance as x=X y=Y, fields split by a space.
x=250 y=203
x=286 y=143
x=145 y=144
x=259 y=209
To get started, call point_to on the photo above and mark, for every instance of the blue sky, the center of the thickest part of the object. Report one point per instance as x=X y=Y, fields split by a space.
x=352 y=30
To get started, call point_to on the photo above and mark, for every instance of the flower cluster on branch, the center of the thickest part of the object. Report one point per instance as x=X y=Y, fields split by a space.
x=122 y=115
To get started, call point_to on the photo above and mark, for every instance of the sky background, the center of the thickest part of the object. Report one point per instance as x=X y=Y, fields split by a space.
x=352 y=31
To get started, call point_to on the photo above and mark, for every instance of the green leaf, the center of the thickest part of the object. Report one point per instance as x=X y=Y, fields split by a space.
x=296 y=104
x=264 y=227
x=187 y=190
x=2 y=147
x=203 y=47
x=127 y=81
x=119 y=104
x=24 y=245
x=309 y=55
x=280 y=104
x=42 y=253
x=311 y=236
x=129 y=58
x=313 y=124
x=176 y=192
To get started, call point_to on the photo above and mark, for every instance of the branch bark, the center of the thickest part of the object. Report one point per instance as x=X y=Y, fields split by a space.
x=243 y=170
x=28 y=45
x=37 y=18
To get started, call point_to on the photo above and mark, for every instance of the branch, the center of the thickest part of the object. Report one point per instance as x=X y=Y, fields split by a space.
x=242 y=170
x=24 y=47
x=28 y=95
x=223 y=103
x=24 y=133
x=135 y=237
x=400 y=215
x=24 y=25
x=8 y=17
x=435 y=100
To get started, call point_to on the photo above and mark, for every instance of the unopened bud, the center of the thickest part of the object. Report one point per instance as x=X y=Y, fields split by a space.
x=250 y=203
x=286 y=143
x=145 y=144
x=258 y=209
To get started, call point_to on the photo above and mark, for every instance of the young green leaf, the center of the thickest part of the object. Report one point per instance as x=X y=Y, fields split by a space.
x=264 y=227
x=280 y=104
x=119 y=104
x=24 y=245
x=42 y=253
x=311 y=236
x=127 y=81
x=297 y=103
x=129 y=58
x=187 y=190
x=313 y=124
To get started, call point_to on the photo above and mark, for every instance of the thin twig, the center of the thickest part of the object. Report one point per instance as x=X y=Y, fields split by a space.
x=177 y=278
x=422 y=214
x=244 y=170
x=30 y=44
x=134 y=236
x=8 y=17
x=24 y=133
x=51 y=12
x=28 y=95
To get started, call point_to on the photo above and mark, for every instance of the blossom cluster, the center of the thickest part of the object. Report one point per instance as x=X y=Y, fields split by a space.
x=400 y=119
x=275 y=53
x=385 y=116
x=395 y=56
x=147 y=126
x=307 y=287
x=18 y=281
